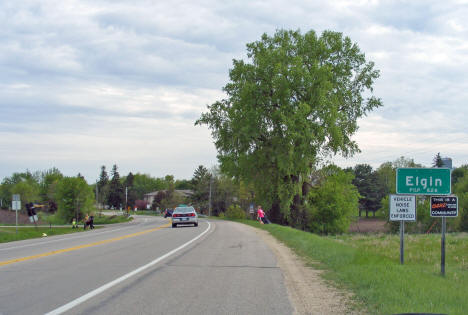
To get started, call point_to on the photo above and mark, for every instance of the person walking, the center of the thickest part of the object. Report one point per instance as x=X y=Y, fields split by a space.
x=260 y=215
x=85 y=221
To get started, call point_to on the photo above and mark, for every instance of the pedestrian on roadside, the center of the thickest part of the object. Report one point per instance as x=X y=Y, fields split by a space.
x=260 y=215
x=74 y=226
x=85 y=220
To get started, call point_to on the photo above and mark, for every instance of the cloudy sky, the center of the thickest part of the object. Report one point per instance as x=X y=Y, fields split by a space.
x=91 y=83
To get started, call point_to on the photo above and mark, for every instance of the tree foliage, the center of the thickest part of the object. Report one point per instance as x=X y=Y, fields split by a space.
x=74 y=198
x=25 y=184
x=437 y=161
x=48 y=185
x=131 y=196
x=115 y=197
x=298 y=98
x=371 y=187
x=103 y=186
x=144 y=183
x=201 y=187
x=331 y=204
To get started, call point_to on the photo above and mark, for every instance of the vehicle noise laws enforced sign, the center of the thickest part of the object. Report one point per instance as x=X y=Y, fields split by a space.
x=444 y=206
x=402 y=208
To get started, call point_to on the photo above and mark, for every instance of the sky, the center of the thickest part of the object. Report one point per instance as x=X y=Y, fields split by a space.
x=91 y=83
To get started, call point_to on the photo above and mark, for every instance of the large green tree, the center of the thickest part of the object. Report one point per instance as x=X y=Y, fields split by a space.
x=297 y=98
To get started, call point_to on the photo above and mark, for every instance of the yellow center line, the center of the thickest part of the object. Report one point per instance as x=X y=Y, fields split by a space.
x=7 y=262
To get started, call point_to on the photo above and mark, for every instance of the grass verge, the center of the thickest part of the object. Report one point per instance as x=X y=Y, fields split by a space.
x=369 y=266
x=98 y=219
x=8 y=234
x=112 y=219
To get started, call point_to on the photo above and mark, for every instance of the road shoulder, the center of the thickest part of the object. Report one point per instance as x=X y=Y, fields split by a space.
x=308 y=292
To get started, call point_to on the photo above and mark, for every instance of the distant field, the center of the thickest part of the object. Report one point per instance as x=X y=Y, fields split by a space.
x=369 y=266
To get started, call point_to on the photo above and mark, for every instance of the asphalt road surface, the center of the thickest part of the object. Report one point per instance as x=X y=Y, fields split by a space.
x=144 y=267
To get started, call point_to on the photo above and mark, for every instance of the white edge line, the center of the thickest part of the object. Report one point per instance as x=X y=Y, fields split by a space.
x=103 y=288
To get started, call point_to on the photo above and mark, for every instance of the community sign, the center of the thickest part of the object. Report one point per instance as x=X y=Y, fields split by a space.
x=423 y=181
x=444 y=206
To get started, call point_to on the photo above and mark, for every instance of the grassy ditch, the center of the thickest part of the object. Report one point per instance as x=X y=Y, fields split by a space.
x=8 y=234
x=369 y=266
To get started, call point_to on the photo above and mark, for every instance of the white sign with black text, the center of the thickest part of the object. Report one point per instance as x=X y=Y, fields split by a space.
x=402 y=208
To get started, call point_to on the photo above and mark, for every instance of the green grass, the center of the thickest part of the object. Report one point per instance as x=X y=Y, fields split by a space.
x=369 y=266
x=111 y=219
x=145 y=212
x=8 y=234
x=98 y=219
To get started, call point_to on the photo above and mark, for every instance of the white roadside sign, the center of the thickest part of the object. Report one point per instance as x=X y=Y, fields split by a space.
x=16 y=205
x=16 y=202
x=402 y=208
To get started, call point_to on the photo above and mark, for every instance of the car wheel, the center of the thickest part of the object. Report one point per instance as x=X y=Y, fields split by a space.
x=195 y=224
x=174 y=225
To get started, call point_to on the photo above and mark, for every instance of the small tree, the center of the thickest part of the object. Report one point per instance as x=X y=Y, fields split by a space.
x=28 y=191
x=370 y=186
x=103 y=186
x=201 y=186
x=48 y=183
x=74 y=197
x=437 y=161
x=115 y=196
x=131 y=193
x=331 y=204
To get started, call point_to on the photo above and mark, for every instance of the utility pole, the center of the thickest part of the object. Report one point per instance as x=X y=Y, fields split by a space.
x=97 y=196
x=126 y=198
x=209 y=202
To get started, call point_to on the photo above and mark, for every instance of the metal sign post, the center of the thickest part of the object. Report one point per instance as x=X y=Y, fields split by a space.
x=444 y=206
x=402 y=208
x=16 y=205
x=442 y=249
x=402 y=242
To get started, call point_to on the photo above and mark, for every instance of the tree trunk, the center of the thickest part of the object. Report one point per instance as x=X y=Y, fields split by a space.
x=275 y=213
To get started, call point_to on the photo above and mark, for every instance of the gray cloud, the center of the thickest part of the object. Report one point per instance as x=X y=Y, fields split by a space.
x=100 y=82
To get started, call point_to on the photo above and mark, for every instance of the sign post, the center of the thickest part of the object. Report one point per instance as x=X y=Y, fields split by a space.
x=16 y=205
x=402 y=208
x=443 y=206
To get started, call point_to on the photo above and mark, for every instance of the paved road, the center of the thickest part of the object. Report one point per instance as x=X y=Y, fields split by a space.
x=225 y=270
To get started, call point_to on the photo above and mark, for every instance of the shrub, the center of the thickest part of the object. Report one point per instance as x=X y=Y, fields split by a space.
x=331 y=204
x=235 y=212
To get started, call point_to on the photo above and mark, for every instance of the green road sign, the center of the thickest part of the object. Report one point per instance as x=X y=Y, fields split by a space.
x=423 y=181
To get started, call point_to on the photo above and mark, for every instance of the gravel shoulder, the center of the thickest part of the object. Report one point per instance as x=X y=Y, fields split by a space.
x=308 y=292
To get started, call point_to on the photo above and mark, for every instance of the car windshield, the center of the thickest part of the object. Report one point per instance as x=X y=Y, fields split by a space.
x=184 y=209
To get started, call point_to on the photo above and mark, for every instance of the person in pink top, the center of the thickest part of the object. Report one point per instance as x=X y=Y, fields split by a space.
x=260 y=215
